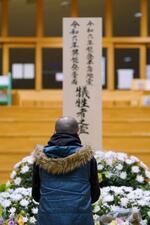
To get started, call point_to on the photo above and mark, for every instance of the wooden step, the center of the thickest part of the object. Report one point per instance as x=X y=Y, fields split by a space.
x=22 y=142
x=47 y=126
x=27 y=127
x=126 y=142
x=4 y=177
x=118 y=113
x=29 y=112
x=7 y=163
x=126 y=126
x=35 y=113
x=111 y=141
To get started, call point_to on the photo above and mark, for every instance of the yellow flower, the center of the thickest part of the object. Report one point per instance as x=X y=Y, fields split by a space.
x=113 y=223
x=20 y=220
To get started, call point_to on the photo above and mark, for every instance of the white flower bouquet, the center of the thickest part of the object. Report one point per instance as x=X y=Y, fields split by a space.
x=121 y=217
x=113 y=199
x=17 y=207
x=119 y=169
x=21 y=175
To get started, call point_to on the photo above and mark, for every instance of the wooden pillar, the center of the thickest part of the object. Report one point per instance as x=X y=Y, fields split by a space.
x=110 y=67
x=110 y=49
x=4 y=31
x=39 y=18
x=143 y=62
x=108 y=18
x=38 y=62
x=144 y=18
x=39 y=33
x=5 y=61
x=74 y=8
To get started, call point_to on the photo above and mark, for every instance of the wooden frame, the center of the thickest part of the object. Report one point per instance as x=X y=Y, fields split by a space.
x=109 y=42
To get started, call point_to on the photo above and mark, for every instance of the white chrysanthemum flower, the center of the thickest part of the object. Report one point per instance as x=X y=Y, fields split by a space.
x=141 y=202
x=110 y=154
x=16 y=197
x=121 y=156
x=109 y=161
x=147 y=174
x=124 y=202
x=129 y=161
x=127 y=189
x=17 y=181
x=32 y=219
x=140 y=178
x=100 y=166
x=117 y=190
x=17 y=165
x=114 y=208
x=12 y=210
x=134 y=159
x=35 y=210
x=24 y=202
x=13 y=174
x=119 y=167
x=4 y=195
x=25 y=219
x=96 y=209
x=108 y=198
x=105 y=190
x=143 y=222
x=24 y=169
x=108 y=174
x=143 y=165
x=6 y=203
x=28 y=159
x=123 y=175
x=135 y=169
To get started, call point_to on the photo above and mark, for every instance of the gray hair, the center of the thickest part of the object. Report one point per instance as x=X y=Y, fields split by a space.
x=66 y=124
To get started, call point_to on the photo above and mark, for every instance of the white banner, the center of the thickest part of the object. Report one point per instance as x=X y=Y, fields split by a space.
x=82 y=76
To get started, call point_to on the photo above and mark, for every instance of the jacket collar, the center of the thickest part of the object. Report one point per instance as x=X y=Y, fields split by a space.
x=62 y=165
x=64 y=139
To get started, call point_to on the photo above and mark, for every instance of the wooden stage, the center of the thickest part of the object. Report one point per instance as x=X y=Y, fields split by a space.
x=126 y=128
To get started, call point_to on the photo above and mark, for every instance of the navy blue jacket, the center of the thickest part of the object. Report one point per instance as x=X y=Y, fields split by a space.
x=64 y=177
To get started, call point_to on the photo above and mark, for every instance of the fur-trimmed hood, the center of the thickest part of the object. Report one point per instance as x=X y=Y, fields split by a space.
x=62 y=165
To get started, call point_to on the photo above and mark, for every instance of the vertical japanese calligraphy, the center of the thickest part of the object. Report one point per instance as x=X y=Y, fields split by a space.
x=90 y=51
x=74 y=51
x=82 y=92
x=82 y=85
x=82 y=97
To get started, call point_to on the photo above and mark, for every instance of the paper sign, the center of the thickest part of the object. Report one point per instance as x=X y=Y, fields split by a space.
x=17 y=71
x=59 y=77
x=125 y=77
x=28 y=71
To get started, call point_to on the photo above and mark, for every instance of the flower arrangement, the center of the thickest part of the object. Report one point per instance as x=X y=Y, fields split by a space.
x=21 y=175
x=119 y=169
x=113 y=199
x=124 y=182
x=17 y=207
